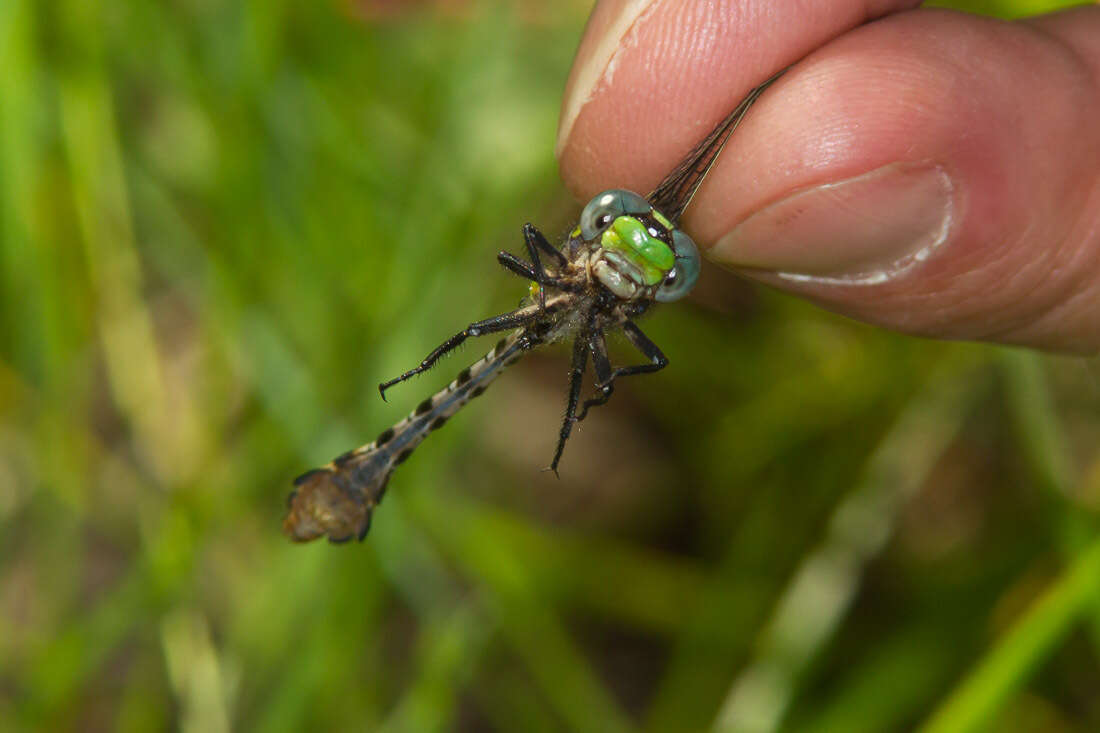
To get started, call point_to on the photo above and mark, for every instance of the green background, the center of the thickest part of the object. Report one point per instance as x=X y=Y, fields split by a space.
x=222 y=224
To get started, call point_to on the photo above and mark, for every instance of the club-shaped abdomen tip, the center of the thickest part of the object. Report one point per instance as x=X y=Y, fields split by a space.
x=319 y=507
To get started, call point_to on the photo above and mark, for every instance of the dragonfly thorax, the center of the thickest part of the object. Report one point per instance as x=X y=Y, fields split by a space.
x=637 y=252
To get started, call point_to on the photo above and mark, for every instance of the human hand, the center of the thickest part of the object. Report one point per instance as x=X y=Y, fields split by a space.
x=932 y=172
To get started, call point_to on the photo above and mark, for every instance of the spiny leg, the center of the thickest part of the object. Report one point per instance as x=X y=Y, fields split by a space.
x=517 y=266
x=534 y=238
x=503 y=322
x=580 y=359
x=535 y=241
x=657 y=359
x=524 y=269
x=597 y=346
x=606 y=384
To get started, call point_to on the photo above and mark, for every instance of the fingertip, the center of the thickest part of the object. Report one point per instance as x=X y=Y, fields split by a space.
x=609 y=23
x=652 y=77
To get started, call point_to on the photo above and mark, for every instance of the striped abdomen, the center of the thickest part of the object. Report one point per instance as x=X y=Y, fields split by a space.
x=337 y=499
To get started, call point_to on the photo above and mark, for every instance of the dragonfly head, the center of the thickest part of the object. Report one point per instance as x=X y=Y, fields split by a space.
x=642 y=246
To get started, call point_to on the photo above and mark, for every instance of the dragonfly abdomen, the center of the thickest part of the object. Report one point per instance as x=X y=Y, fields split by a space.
x=337 y=499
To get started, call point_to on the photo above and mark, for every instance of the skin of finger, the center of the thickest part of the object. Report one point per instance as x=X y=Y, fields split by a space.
x=1009 y=110
x=652 y=78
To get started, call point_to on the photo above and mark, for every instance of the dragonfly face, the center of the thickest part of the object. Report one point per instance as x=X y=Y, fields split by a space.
x=639 y=253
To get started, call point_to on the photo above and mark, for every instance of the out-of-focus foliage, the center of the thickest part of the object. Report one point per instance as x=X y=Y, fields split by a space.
x=222 y=224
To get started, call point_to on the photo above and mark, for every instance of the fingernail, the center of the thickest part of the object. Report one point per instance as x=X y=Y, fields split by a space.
x=611 y=20
x=863 y=230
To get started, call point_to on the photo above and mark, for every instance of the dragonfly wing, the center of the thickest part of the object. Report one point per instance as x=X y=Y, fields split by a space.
x=675 y=192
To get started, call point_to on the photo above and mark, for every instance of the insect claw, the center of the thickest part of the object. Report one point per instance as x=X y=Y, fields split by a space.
x=382 y=392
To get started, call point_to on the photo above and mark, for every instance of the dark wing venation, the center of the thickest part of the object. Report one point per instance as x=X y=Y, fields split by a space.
x=674 y=193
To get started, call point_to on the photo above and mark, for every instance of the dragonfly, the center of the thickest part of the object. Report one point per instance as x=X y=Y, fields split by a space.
x=626 y=253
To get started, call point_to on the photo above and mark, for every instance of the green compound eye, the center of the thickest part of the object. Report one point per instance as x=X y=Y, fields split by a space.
x=608 y=206
x=682 y=279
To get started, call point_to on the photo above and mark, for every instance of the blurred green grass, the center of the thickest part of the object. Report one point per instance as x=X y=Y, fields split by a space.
x=221 y=225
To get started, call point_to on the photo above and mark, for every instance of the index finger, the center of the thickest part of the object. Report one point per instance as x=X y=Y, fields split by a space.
x=652 y=77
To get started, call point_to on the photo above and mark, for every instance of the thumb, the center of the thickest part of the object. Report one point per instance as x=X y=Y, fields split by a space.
x=935 y=173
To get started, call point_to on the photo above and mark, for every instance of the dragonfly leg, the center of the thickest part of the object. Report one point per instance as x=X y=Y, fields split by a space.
x=503 y=322
x=576 y=373
x=597 y=346
x=534 y=272
x=514 y=264
x=605 y=381
x=535 y=241
x=524 y=269
x=657 y=359
x=534 y=238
